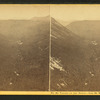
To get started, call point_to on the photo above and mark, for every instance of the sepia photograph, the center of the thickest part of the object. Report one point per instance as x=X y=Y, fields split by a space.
x=24 y=47
x=75 y=47
x=49 y=47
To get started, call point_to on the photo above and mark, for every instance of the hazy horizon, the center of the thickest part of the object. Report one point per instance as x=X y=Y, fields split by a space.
x=68 y=13
x=75 y=12
x=22 y=12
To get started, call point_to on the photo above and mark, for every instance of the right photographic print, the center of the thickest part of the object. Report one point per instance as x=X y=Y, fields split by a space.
x=75 y=48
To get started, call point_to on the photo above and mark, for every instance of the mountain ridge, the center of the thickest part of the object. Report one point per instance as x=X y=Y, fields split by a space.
x=72 y=61
x=88 y=29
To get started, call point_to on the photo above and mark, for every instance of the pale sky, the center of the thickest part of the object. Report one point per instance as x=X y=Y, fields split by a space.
x=75 y=12
x=62 y=12
x=23 y=11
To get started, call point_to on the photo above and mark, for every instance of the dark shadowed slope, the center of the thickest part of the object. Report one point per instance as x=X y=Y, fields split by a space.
x=74 y=61
x=26 y=42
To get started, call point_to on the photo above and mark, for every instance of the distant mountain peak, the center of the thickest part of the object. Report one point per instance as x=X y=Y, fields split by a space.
x=38 y=18
x=87 y=29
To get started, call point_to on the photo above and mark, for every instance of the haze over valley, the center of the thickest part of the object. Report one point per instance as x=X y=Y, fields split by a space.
x=24 y=54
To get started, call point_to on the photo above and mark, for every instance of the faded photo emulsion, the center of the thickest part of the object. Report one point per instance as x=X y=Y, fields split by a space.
x=49 y=47
x=24 y=48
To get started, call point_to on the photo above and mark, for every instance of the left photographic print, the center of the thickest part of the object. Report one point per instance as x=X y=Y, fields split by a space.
x=24 y=47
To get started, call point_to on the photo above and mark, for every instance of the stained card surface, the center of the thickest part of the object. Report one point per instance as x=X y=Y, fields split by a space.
x=49 y=47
